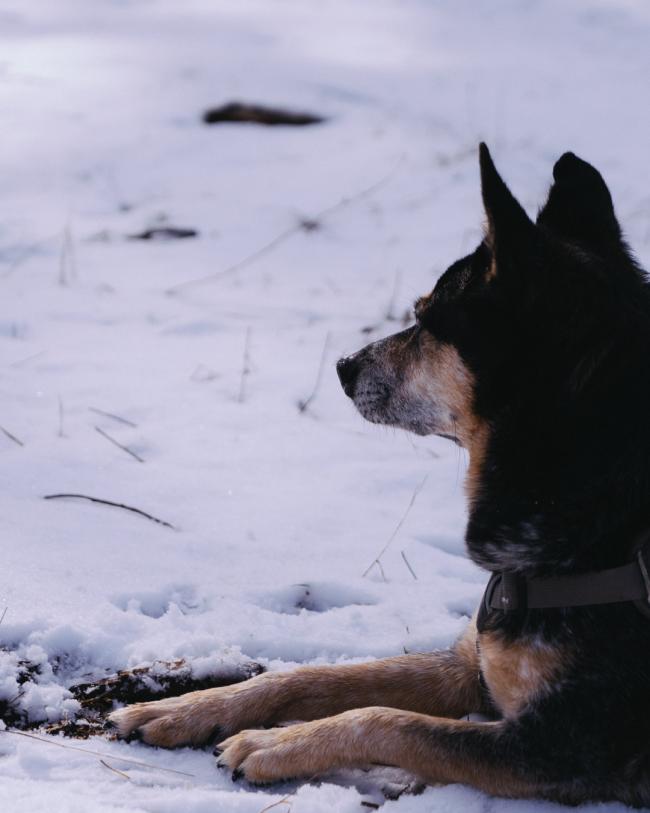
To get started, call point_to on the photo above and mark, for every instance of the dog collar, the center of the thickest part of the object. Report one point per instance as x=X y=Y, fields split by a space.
x=510 y=592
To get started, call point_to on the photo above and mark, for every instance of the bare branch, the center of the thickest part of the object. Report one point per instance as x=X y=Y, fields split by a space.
x=111 y=503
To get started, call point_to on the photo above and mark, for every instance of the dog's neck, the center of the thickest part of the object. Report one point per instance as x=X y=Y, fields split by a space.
x=566 y=500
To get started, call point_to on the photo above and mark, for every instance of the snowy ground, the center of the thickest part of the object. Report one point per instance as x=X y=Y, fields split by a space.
x=100 y=106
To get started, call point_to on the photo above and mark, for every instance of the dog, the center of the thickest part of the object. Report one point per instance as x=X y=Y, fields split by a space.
x=532 y=353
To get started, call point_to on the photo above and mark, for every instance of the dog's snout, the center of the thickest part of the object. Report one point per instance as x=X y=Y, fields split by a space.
x=348 y=370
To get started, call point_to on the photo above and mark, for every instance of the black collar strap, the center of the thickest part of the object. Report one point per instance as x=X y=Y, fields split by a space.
x=510 y=591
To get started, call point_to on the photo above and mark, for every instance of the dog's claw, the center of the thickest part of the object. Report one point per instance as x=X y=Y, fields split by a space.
x=236 y=774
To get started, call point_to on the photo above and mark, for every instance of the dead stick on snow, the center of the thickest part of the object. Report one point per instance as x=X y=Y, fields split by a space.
x=111 y=503
x=10 y=436
x=119 y=445
x=302 y=405
x=285 y=235
x=376 y=561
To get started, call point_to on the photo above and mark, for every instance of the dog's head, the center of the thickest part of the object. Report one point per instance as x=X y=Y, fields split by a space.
x=515 y=329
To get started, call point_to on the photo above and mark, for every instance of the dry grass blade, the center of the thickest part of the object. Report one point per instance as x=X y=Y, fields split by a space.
x=284 y=235
x=119 y=445
x=376 y=560
x=246 y=367
x=119 y=773
x=302 y=405
x=61 y=415
x=27 y=359
x=114 y=417
x=92 y=753
x=67 y=263
x=408 y=564
x=111 y=503
x=284 y=801
x=10 y=436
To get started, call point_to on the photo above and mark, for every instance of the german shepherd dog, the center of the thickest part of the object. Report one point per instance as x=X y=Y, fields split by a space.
x=533 y=353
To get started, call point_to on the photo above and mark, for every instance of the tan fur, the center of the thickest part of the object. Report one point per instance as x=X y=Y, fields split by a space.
x=517 y=673
x=439 y=683
x=492 y=270
x=477 y=449
x=413 y=742
x=445 y=379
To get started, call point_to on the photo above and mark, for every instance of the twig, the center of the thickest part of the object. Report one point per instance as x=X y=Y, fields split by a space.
x=111 y=503
x=119 y=773
x=119 y=445
x=94 y=753
x=376 y=561
x=302 y=405
x=284 y=235
x=408 y=564
x=246 y=367
x=114 y=417
x=2 y=617
x=10 y=436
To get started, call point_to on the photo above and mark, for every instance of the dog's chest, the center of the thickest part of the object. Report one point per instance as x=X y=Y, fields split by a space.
x=518 y=673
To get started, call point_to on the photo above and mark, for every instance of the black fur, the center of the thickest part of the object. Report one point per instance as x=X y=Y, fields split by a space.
x=558 y=341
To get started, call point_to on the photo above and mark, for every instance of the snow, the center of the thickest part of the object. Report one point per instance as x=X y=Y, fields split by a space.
x=277 y=513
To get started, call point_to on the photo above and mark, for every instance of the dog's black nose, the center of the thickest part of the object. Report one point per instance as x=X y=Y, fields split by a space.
x=348 y=370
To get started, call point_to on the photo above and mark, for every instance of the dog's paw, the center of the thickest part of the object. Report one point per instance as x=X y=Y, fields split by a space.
x=301 y=750
x=193 y=719
x=265 y=756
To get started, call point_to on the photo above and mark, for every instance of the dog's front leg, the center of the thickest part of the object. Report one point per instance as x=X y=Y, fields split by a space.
x=435 y=749
x=441 y=683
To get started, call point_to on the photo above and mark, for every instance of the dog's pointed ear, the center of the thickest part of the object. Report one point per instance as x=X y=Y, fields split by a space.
x=579 y=206
x=510 y=231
